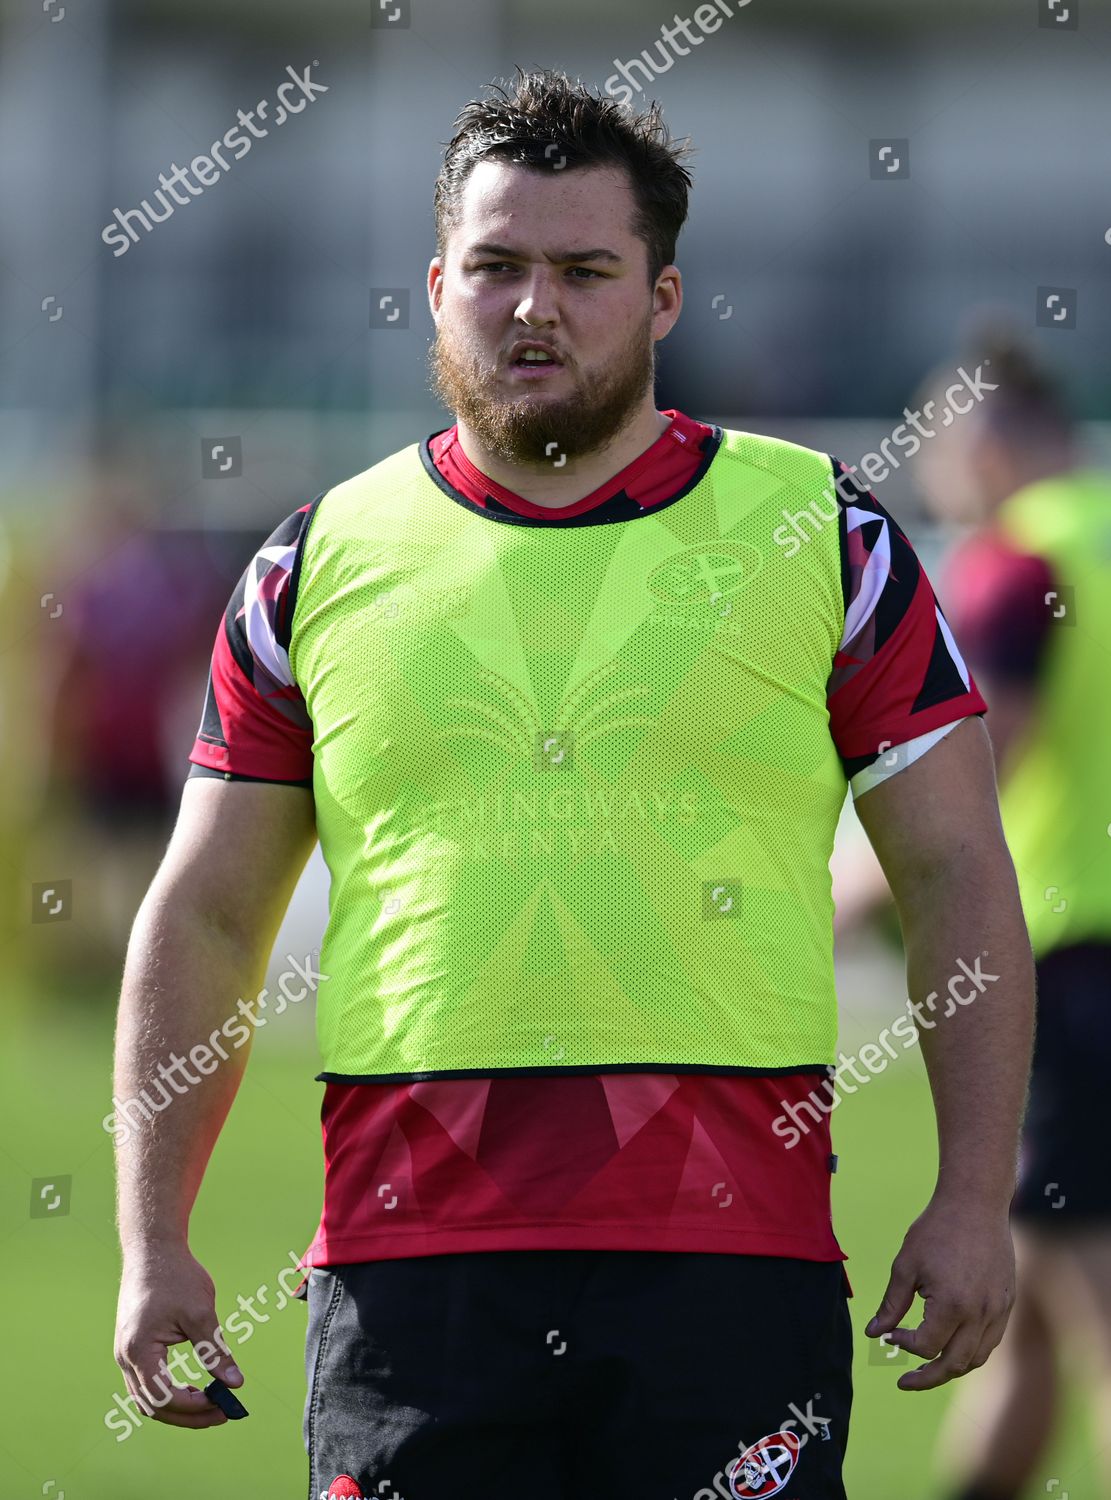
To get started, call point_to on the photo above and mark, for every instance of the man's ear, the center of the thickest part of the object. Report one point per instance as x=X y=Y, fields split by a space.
x=435 y=283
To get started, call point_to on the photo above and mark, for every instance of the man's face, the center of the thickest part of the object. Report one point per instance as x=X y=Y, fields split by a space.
x=516 y=269
x=945 y=470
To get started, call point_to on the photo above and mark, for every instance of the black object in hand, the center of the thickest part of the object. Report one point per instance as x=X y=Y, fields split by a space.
x=228 y=1402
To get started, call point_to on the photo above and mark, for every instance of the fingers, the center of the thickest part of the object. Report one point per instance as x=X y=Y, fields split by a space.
x=953 y=1345
x=897 y=1298
x=157 y=1396
x=209 y=1416
x=940 y=1323
x=147 y=1373
x=954 y=1358
x=211 y=1347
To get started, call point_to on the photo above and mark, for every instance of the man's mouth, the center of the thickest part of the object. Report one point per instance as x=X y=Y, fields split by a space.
x=527 y=355
x=532 y=370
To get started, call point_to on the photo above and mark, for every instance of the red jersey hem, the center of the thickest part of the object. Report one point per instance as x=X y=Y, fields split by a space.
x=348 y=1249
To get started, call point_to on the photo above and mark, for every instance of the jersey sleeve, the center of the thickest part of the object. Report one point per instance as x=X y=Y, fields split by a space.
x=898 y=676
x=254 y=723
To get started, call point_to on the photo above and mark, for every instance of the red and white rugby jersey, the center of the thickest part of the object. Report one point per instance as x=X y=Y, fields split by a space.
x=614 y=1161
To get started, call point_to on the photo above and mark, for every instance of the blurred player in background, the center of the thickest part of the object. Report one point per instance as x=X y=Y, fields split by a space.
x=1029 y=596
x=120 y=673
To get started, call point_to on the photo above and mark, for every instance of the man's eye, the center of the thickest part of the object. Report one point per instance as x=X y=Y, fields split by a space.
x=502 y=265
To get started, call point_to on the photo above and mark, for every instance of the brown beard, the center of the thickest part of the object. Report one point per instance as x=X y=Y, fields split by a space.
x=531 y=431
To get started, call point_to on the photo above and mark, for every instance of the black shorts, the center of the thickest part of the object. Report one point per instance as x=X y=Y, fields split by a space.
x=573 y=1374
x=1063 y=1177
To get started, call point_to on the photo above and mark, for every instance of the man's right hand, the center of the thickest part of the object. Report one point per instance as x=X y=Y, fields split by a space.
x=200 y=938
x=166 y=1298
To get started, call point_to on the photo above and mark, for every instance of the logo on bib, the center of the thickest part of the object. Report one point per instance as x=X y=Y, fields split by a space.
x=765 y=1467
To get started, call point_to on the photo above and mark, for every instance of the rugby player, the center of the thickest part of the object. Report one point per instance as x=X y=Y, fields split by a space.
x=571 y=692
x=1030 y=594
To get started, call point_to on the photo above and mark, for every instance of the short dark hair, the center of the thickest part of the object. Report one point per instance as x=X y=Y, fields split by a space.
x=546 y=122
x=1030 y=405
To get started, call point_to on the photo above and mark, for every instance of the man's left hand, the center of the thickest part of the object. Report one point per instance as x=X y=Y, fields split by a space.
x=961 y=1259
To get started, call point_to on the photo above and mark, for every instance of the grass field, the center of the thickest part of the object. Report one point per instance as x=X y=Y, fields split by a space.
x=259 y=1202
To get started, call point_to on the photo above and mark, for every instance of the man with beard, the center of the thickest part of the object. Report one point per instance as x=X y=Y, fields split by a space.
x=572 y=692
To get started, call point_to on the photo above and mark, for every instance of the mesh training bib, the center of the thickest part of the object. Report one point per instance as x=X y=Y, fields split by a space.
x=574 y=782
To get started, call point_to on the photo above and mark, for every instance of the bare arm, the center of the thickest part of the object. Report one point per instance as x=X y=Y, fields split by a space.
x=860 y=886
x=936 y=831
x=199 y=946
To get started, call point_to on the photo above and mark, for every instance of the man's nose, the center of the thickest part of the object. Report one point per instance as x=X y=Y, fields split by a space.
x=540 y=302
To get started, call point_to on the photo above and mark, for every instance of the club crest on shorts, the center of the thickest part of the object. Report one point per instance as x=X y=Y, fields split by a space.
x=765 y=1467
x=343 y=1487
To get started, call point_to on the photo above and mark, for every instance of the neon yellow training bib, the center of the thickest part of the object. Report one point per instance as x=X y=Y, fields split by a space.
x=574 y=783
